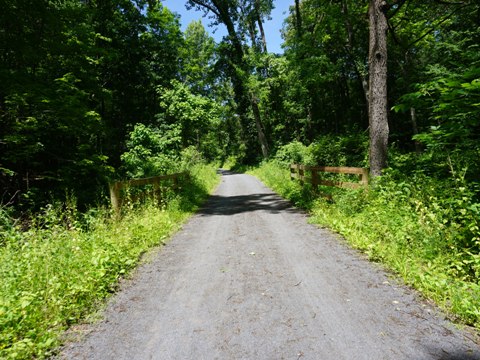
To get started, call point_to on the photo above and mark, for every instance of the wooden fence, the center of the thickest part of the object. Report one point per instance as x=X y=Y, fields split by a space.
x=160 y=183
x=298 y=172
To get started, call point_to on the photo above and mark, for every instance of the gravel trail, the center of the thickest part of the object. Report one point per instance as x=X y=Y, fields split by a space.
x=249 y=278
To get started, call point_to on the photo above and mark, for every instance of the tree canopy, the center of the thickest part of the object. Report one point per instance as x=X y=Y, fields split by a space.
x=80 y=78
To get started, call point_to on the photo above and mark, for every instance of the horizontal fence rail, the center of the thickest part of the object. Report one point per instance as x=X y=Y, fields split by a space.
x=298 y=172
x=159 y=182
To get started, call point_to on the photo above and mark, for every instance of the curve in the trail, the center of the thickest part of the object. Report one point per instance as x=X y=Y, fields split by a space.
x=249 y=278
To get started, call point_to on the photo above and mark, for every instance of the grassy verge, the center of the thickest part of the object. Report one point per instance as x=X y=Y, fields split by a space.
x=424 y=232
x=63 y=267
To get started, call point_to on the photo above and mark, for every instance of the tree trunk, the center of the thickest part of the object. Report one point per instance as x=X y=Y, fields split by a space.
x=254 y=102
x=298 y=19
x=378 y=117
x=262 y=33
x=413 y=118
x=258 y=123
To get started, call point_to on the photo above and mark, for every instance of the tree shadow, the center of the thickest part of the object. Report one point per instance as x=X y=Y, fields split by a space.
x=231 y=205
x=469 y=350
x=460 y=355
x=224 y=172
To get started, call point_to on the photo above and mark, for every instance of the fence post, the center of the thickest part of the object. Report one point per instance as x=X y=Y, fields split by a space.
x=314 y=179
x=115 y=196
x=175 y=182
x=157 y=194
x=364 y=177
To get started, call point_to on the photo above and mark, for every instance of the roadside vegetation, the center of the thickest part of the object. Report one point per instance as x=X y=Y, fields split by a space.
x=60 y=269
x=98 y=91
x=424 y=228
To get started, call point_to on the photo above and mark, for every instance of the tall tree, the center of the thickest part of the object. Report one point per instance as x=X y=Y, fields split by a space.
x=198 y=56
x=378 y=115
x=330 y=58
x=227 y=12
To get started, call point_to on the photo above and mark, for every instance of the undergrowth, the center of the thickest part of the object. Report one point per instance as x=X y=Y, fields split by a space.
x=63 y=267
x=425 y=230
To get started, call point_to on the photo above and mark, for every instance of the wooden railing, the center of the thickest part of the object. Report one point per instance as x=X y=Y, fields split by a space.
x=298 y=172
x=160 y=183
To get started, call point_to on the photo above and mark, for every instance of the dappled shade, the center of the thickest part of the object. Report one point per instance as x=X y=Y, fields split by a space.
x=231 y=205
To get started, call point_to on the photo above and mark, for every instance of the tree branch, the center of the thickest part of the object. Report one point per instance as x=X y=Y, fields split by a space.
x=399 y=4
x=438 y=23
x=451 y=3
x=206 y=6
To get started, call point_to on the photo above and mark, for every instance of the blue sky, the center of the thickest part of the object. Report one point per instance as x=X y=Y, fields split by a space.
x=272 y=27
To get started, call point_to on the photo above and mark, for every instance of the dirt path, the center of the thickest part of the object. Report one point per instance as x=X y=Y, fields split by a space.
x=248 y=278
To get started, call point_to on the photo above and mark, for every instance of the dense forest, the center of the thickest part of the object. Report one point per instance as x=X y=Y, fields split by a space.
x=93 y=91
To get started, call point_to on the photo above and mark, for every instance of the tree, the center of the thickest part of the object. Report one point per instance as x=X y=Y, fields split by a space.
x=378 y=117
x=329 y=54
x=198 y=56
x=197 y=117
x=75 y=77
x=226 y=12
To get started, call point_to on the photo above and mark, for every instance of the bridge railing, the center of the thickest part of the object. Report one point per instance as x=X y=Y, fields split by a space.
x=160 y=184
x=298 y=172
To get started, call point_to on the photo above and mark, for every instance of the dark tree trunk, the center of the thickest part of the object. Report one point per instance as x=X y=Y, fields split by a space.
x=378 y=116
x=298 y=18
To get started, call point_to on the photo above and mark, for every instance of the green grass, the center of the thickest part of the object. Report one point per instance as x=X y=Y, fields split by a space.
x=425 y=231
x=62 y=269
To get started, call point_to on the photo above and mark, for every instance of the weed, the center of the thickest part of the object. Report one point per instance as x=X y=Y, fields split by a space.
x=58 y=271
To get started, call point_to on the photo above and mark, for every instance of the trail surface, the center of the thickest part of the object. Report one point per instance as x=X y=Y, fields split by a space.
x=249 y=278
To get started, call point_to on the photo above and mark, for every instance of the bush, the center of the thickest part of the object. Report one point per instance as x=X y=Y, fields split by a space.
x=347 y=150
x=151 y=152
x=292 y=153
x=328 y=150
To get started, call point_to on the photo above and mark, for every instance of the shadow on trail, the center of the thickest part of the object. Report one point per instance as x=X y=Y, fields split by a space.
x=224 y=172
x=461 y=355
x=231 y=205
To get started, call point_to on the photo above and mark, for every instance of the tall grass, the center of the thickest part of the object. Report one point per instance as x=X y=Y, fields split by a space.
x=65 y=265
x=425 y=230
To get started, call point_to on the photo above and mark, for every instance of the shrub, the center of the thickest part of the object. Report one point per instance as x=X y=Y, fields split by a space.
x=59 y=270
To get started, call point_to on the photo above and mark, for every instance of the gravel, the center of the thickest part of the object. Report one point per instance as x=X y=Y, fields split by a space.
x=248 y=278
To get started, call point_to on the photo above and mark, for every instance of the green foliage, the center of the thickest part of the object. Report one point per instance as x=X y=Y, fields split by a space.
x=292 y=153
x=152 y=152
x=75 y=75
x=198 y=57
x=326 y=48
x=197 y=117
x=327 y=150
x=59 y=270
x=427 y=230
x=350 y=149
x=454 y=103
